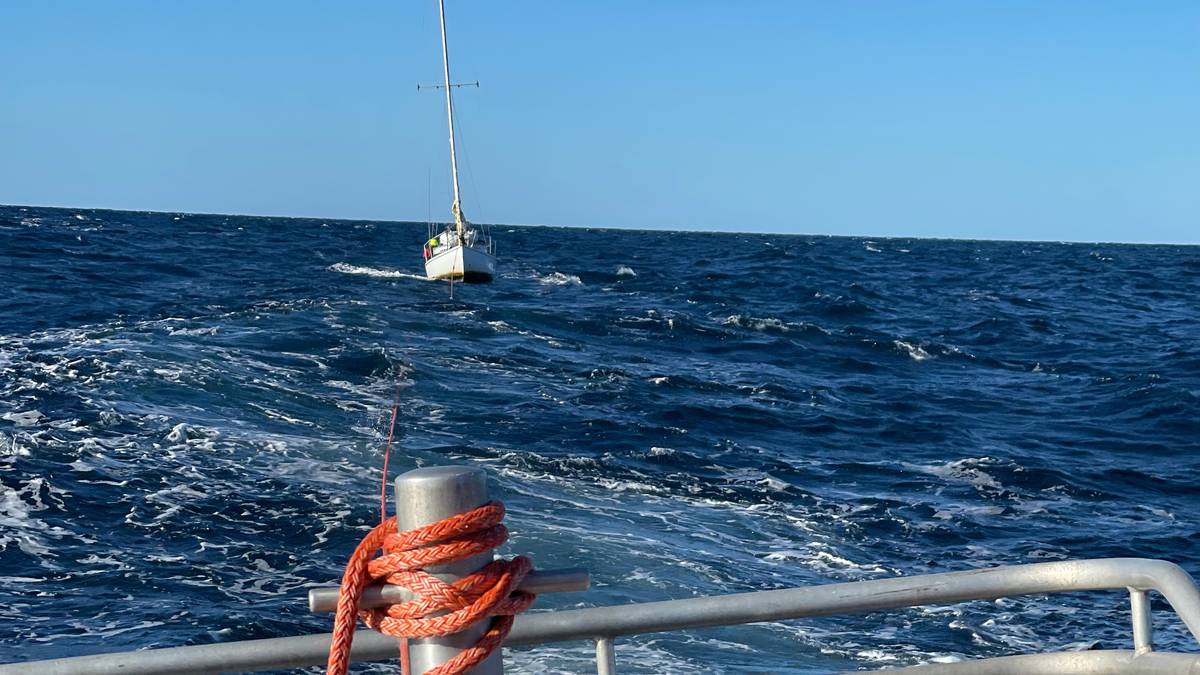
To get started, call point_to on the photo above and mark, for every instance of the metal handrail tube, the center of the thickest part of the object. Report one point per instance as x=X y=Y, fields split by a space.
x=1166 y=578
x=865 y=596
x=1143 y=628
x=245 y=656
x=1099 y=662
x=606 y=658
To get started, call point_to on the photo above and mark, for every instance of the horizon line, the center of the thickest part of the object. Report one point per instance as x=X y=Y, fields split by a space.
x=605 y=228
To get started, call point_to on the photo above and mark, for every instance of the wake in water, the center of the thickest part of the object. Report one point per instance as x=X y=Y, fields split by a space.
x=378 y=273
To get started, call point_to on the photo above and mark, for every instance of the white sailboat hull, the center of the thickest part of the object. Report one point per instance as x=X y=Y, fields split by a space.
x=462 y=263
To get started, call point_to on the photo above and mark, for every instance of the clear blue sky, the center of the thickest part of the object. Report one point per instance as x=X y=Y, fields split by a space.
x=1004 y=119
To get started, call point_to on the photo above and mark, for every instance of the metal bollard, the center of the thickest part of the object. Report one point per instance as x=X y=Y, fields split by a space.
x=425 y=496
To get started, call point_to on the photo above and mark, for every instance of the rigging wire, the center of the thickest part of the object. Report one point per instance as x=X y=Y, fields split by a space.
x=462 y=132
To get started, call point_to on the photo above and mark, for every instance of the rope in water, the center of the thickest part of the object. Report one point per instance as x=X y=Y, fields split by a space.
x=383 y=484
x=490 y=592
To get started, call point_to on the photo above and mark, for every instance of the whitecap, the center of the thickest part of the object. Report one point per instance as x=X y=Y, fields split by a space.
x=19 y=526
x=963 y=470
x=625 y=271
x=639 y=574
x=20 y=580
x=788 y=554
x=211 y=330
x=769 y=323
x=756 y=323
x=27 y=418
x=9 y=446
x=277 y=415
x=772 y=483
x=915 y=351
x=178 y=433
x=560 y=279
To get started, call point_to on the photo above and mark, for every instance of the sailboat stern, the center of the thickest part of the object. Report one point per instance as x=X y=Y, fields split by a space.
x=462 y=263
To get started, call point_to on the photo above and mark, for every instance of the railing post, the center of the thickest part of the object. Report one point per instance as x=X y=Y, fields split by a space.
x=606 y=657
x=1143 y=630
x=425 y=496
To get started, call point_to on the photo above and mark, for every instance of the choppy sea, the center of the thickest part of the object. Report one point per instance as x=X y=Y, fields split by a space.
x=192 y=410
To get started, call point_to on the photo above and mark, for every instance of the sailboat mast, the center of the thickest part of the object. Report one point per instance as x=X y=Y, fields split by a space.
x=457 y=206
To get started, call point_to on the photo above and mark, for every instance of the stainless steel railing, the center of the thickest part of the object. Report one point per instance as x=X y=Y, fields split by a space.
x=604 y=624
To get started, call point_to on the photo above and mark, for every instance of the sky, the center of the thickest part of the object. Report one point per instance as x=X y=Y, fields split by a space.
x=1043 y=120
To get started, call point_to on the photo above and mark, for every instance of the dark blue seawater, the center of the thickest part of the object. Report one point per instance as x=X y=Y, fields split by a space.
x=192 y=410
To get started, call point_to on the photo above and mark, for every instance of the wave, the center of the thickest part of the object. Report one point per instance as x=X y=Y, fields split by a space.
x=749 y=418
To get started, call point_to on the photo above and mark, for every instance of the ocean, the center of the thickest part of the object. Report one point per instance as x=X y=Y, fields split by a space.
x=193 y=407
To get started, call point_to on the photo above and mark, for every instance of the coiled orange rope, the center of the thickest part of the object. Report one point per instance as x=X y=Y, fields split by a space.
x=489 y=592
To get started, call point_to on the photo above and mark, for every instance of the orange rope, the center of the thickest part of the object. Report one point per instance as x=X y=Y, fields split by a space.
x=488 y=592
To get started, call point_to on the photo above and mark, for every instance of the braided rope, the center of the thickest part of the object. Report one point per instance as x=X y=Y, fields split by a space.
x=489 y=592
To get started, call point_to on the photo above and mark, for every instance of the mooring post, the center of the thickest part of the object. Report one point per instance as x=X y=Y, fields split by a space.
x=425 y=496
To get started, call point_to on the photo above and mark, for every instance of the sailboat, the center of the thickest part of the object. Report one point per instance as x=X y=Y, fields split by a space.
x=463 y=251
